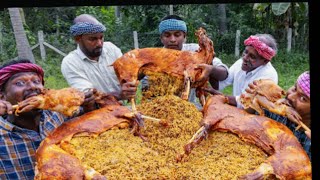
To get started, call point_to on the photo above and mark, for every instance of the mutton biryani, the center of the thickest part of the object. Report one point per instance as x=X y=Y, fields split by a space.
x=100 y=145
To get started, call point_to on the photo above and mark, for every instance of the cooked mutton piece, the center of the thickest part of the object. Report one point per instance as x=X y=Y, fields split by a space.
x=267 y=94
x=66 y=101
x=287 y=159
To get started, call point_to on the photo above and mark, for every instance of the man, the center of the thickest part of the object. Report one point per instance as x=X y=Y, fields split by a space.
x=88 y=66
x=21 y=135
x=173 y=35
x=298 y=97
x=255 y=64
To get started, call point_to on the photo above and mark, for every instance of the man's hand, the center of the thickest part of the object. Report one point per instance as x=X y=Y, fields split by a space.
x=205 y=71
x=308 y=133
x=89 y=96
x=5 y=108
x=128 y=90
x=251 y=87
x=89 y=100
x=212 y=91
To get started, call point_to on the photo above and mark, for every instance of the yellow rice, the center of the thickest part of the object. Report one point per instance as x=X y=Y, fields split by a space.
x=118 y=154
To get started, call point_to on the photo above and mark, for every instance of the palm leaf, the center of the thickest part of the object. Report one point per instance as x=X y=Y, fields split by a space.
x=279 y=8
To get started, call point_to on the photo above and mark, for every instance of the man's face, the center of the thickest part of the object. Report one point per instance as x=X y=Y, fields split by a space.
x=299 y=100
x=251 y=59
x=21 y=86
x=173 y=39
x=91 y=44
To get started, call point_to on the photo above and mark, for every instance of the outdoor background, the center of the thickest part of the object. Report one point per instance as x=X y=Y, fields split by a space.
x=287 y=22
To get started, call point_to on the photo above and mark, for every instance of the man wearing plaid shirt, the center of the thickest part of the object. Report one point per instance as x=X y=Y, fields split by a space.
x=21 y=135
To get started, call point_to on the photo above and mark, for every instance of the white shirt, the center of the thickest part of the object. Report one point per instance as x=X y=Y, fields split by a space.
x=240 y=79
x=83 y=73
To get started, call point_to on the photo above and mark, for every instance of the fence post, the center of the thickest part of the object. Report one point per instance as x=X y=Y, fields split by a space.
x=171 y=9
x=289 y=38
x=135 y=40
x=236 y=50
x=41 y=41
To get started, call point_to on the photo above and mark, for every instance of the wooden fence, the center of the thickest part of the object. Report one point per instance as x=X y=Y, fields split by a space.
x=42 y=44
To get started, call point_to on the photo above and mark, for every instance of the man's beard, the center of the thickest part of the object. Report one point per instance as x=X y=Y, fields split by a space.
x=94 y=53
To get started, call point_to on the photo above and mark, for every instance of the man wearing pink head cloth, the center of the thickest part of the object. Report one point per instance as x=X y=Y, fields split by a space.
x=254 y=64
x=298 y=97
x=21 y=135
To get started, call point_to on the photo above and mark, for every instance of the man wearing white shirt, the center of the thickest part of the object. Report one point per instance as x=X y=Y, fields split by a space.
x=255 y=64
x=88 y=66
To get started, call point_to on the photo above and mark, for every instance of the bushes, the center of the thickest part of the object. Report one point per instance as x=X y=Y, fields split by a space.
x=52 y=72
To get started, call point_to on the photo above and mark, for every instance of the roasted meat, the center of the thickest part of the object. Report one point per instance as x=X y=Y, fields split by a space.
x=66 y=101
x=267 y=94
x=54 y=159
x=287 y=159
x=180 y=64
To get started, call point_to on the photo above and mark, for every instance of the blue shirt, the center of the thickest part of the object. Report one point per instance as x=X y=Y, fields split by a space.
x=18 y=145
x=301 y=136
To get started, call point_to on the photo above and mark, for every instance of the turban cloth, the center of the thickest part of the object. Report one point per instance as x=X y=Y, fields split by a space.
x=7 y=72
x=172 y=25
x=86 y=28
x=304 y=83
x=262 y=48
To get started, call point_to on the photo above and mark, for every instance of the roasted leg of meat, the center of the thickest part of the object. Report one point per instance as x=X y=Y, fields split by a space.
x=287 y=159
x=66 y=101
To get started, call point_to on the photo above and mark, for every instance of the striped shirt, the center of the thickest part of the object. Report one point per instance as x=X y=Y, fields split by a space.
x=301 y=136
x=18 y=145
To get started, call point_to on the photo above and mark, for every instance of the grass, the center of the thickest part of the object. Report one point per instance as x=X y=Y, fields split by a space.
x=288 y=65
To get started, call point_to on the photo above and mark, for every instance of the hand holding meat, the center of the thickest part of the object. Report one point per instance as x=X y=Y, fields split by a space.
x=66 y=101
x=5 y=108
x=264 y=93
x=206 y=70
x=128 y=90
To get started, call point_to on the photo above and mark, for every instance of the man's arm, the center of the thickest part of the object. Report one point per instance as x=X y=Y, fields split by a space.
x=215 y=72
x=218 y=73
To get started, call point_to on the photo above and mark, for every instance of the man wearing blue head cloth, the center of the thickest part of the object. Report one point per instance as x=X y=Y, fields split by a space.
x=87 y=67
x=173 y=35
